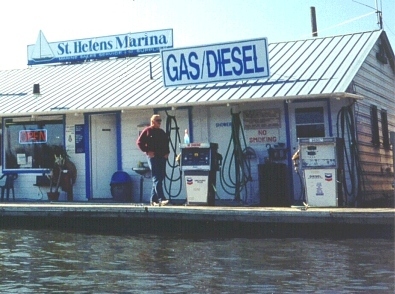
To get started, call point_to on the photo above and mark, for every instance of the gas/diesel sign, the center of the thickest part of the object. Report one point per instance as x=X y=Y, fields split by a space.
x=215 y=63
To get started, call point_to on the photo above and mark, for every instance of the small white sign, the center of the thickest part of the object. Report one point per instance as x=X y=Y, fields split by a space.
x=321 y=187
x=197 y=189
x=70 y=138
x=215 y=63
x=21 y=158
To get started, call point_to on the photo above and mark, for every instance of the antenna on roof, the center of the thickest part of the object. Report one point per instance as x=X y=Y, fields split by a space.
x=378 y=12
x=379 y=16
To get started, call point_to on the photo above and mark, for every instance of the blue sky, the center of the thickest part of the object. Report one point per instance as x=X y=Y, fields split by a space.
x=194 y=22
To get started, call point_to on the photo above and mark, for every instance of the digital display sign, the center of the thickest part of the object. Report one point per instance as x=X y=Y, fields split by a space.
x=33 y=136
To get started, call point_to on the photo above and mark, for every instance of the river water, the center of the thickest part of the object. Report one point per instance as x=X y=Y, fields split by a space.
x=52 y=261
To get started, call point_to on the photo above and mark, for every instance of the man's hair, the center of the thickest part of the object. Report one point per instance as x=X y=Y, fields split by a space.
x=155 y=116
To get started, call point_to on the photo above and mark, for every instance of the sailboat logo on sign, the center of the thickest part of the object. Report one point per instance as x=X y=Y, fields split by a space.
x=42 y=51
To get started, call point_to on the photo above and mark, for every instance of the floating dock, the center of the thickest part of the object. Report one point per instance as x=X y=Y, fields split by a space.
x=199 y=220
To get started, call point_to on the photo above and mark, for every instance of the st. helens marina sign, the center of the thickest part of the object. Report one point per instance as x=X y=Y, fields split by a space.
x=80 y=50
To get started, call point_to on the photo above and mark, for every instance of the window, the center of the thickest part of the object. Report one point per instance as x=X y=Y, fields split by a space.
x=30 y=143
x=374 y=122
x=384 y=129
x=310 y=122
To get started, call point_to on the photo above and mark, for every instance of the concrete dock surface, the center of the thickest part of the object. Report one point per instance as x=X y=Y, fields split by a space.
x=295 y=214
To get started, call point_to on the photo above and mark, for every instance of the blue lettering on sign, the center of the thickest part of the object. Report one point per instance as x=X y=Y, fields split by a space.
x=204 y=65
x=196 y=72
x=223 y=62
x=63 y=48
x=179 y=69
x=237 y=70
x=91 y=46
x=223 y=124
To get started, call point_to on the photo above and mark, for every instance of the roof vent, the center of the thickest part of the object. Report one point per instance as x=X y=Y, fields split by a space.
x=36 y=89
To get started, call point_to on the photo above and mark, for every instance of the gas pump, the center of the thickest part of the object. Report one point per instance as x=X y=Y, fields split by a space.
x=200 y=163
x=321 y=160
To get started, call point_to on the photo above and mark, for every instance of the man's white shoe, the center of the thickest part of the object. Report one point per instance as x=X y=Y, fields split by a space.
x=163 y=203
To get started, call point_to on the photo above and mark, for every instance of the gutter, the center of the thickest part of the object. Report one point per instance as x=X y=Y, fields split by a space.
x=228 y=102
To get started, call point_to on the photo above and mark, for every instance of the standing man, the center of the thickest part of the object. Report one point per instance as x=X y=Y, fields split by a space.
x=155 y=143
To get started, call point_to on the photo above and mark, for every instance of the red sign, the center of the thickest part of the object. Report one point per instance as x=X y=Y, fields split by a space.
x=32 y=136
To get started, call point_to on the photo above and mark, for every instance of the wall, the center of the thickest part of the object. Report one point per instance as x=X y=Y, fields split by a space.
x=213 y=124
x=376 y=82
x=24 y=185
x=78 y=159
x=209 y=124
x=131 y=155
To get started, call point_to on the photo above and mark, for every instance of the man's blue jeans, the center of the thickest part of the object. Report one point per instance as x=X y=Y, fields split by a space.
x=158 y=174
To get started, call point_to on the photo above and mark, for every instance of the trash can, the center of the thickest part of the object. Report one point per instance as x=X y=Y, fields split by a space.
x=121 y=186
x=273 y=185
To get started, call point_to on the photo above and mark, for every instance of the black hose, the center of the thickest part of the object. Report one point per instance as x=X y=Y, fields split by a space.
x=347 y=131
x=237 y=161
x=302 y=187
x=172 y=128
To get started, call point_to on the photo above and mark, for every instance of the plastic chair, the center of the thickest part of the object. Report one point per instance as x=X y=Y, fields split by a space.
x=8 y=185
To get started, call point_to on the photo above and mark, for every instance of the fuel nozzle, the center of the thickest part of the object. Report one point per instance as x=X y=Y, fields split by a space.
x=186 y=137
x=295 y=160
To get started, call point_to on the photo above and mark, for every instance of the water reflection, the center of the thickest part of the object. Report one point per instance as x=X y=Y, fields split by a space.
x=50 y=261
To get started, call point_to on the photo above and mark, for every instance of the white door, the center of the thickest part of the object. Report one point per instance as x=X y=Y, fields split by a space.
x=306 y=120
x=103 y=154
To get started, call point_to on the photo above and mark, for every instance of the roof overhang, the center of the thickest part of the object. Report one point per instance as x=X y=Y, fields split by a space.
x=228 y=102
x=337 y=96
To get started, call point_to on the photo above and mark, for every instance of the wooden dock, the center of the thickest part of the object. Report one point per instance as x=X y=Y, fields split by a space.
x=206 y=220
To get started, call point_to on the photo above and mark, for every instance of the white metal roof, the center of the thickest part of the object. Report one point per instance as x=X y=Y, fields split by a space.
x=313 y=68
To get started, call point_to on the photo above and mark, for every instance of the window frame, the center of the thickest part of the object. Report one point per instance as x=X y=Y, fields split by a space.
x=384 y=129
x=44 y=150
x=374 y=124
x=309 y=124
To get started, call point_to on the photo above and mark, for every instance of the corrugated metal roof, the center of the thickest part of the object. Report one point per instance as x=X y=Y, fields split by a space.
x=304 y=68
